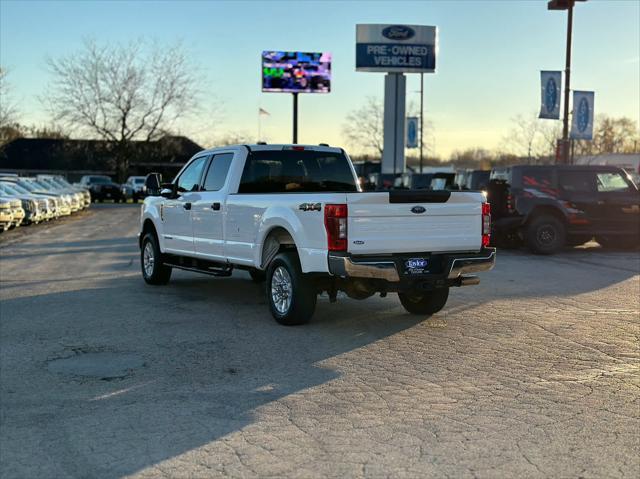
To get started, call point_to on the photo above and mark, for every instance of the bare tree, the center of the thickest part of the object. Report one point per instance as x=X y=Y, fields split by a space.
x=611 y=135
x=532 y=138
x=8 y=110
x=122 y=93
x=364 y=126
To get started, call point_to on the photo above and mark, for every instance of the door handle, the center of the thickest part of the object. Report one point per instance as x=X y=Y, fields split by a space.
x=215 y=206
x=187 y=206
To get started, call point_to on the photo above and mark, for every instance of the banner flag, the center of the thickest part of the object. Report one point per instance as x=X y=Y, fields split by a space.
x=412 y=132
x=582 y=118
x=550 y=105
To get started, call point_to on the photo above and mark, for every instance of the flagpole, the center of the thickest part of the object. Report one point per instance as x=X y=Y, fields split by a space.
x=259 y=125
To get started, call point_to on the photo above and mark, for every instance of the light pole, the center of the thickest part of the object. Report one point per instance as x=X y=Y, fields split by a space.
x=566 y=5
x=421 y=115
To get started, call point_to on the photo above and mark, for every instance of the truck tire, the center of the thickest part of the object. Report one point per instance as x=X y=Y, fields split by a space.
x=154 y=271
x=424 y=302
x=291 y=296
x=545 y=234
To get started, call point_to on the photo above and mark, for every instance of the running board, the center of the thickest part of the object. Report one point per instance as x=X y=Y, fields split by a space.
x=210 y=272
x=196 y=265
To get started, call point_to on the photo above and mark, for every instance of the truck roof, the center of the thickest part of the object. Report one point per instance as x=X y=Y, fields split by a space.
x=275 y=146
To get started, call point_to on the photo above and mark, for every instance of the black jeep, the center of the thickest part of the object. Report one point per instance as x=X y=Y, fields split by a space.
x=549 y=207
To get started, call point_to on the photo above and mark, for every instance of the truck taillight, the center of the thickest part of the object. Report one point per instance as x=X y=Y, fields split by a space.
x=486 y=224
x=335 y=222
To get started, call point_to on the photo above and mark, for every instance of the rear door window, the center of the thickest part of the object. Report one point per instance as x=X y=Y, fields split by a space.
x=217 y=172
x=578 y=181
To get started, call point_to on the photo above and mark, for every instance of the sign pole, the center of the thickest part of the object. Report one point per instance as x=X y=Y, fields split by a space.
x=567 y=88
x=295 y=118
x=421 y=115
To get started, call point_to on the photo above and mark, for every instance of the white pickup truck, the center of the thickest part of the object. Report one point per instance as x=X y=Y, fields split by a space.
x=295 y=217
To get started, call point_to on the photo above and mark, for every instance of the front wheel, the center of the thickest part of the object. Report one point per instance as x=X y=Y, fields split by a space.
x=154 y=271
x=424 y=302
x=291 y=296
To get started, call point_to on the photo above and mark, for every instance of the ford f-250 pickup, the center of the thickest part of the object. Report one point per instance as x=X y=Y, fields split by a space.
x=295 y=217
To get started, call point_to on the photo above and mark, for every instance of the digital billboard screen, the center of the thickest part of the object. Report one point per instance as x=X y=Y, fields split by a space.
x=296 y=72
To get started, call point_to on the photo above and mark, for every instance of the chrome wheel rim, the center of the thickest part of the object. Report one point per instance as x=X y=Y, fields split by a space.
x=281 y=290
x=148 y=259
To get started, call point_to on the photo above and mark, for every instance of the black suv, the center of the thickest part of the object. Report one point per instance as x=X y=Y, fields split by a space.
x=102 y=188
x=552 y=206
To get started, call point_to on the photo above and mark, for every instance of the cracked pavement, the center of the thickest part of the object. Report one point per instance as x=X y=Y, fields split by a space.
x=533 y=373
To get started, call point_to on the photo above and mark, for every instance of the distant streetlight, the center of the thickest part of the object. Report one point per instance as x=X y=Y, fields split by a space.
x=566 y=5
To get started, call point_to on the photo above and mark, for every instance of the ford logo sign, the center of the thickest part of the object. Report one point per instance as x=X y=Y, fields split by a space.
x=398 y=32
x=583 y=115
x=550 y=95
x=418 y=210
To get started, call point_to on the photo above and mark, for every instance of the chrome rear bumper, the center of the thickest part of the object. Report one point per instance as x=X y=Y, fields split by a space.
x=389 y=267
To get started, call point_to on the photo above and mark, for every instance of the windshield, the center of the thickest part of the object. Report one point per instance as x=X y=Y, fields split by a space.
x=99 y=179
x=19 y=188
x=139 y=181
x=8 y=189
x=294 y=171
x=26 y=185
x=47 y=182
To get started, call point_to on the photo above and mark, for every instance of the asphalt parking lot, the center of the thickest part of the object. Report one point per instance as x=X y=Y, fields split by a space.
x=533 y=373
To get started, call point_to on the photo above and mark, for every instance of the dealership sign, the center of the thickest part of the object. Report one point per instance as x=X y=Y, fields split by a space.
x=396 y=48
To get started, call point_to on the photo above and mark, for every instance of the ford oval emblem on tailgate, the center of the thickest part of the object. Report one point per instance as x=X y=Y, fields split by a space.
x=418 y=210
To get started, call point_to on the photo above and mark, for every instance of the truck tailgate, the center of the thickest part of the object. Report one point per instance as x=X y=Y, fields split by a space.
x=414 y=222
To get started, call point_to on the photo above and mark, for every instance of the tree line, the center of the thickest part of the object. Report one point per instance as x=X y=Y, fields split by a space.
x=529 y=139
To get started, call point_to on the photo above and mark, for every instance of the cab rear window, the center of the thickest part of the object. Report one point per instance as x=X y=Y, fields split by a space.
x=296 y=171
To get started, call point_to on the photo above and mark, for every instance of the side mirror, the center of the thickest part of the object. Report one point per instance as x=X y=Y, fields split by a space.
x=152 y=183
x=168 y=190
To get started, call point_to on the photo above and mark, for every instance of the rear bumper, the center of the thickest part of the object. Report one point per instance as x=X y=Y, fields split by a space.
x=390 y=267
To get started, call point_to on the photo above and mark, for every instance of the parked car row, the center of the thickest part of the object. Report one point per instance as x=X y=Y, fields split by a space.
x=103 y=188
x=33 y=200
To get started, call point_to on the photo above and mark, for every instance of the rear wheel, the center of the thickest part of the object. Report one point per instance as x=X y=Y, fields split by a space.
x=154 y=271
x=291 y=296
x=424 y=302
x=545 y=234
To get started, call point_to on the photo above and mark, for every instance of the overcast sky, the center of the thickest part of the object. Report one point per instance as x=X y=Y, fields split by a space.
x=488 y=65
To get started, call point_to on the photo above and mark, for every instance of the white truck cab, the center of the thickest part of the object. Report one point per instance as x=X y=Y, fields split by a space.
x=295 y=217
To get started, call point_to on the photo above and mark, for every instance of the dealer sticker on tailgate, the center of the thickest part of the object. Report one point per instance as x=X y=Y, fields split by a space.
x=416 y=265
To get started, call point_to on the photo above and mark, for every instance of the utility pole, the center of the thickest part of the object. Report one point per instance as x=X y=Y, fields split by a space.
x=566 y=5
x=421 y=115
